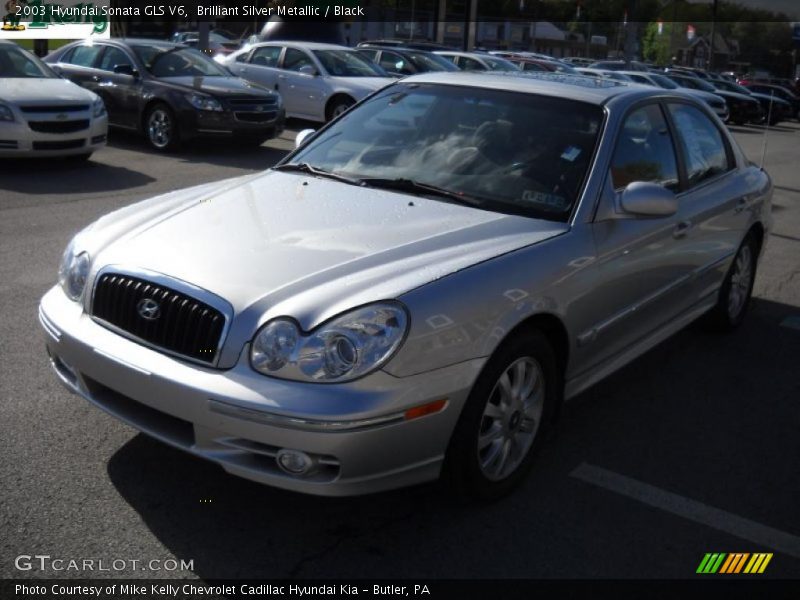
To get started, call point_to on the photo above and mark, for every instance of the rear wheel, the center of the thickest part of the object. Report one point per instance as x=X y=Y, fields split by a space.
x=736 y=290
x=504 y=420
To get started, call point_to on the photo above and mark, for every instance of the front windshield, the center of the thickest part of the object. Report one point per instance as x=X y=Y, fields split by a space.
x=511 y=152
x=499 y=64
x=425 y=61
x=19 y=64
x=171 y=61
x=347 y=63
x=701 y=84
x=664 y=82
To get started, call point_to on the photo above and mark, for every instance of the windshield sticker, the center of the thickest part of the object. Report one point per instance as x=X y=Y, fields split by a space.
x=571 y=153
x=550 y=200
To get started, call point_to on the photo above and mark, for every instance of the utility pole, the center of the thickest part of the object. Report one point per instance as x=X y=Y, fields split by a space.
x=710 y=64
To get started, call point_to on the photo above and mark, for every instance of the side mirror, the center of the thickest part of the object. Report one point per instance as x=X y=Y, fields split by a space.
x=126 y=70
x=647 y=199
x=302 y=136
x=308 y=70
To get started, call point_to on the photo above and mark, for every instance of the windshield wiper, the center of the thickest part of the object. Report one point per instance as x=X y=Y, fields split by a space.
x=307 y=168
x=422 y=189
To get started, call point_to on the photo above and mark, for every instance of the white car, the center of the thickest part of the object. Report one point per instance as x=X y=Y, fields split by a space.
x=42 y=114
x=317 y=81
x=477 y=61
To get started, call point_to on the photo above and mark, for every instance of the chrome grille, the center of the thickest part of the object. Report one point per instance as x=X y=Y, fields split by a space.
x=252 y=103
x=182 y=325
x=59 y=126
x=49 y=108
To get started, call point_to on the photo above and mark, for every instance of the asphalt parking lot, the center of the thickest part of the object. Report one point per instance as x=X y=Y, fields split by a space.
x=693 y=448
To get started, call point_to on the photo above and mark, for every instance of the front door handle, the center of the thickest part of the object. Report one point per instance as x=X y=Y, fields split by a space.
x=681 y=229
x=95 y=78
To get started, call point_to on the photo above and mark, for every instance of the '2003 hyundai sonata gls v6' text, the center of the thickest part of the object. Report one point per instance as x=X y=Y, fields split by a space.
x=417 y=287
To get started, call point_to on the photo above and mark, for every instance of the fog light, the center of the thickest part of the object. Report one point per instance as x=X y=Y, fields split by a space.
x=295 y=462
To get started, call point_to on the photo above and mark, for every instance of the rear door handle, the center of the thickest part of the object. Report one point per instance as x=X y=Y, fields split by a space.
x=95 y=78
x=681 y=229
x=740 y=206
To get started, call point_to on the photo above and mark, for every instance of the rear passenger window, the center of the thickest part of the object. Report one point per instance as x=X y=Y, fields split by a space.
x=84 y=56
x=645 y=151
x=705 y=150
x=266 y=56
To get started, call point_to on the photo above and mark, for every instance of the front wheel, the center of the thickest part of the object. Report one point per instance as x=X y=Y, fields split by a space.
x=736 y=290
x=161 y=128
x=504 y=419
x=339 y=106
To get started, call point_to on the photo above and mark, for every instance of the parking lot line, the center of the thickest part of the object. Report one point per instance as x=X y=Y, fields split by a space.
x=791 y=322
x=689 y=509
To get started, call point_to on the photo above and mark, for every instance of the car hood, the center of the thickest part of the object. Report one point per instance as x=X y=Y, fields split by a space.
x=766 y=99
x=219 y=86
x=735 y=96
x=39 y=90
x=706 y=96
x=287 y=244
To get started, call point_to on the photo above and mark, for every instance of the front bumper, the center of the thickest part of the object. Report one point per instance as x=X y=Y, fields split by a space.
x=18 y=140
x=230 y=124
x=355 y=432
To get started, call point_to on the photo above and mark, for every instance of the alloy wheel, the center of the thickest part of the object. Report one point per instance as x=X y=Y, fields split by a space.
x=741 y=281
x=511 y=418
x=159 y=128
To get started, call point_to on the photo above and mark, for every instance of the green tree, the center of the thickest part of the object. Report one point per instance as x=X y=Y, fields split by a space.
x=655 y=46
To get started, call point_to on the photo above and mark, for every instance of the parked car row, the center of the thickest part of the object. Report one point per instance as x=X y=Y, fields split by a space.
x=173 y=93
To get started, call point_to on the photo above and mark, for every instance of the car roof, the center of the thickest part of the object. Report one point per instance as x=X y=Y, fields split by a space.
x=307 y=45
x=398 y=49
x=575 y=87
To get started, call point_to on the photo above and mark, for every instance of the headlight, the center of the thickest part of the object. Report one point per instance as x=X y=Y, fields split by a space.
x=98 y=108
x=345 y=348
x=5 y=113
x=201 y=102
x=73 y=271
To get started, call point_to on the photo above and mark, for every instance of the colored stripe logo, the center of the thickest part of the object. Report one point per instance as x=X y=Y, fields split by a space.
x=734 y=563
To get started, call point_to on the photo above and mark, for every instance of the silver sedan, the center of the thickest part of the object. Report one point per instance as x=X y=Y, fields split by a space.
x=316 y=81
x=416 y=290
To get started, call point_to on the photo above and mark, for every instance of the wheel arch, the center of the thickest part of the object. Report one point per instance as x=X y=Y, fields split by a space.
x=335 y=98
x=758 y=232
x=151 y=102
x=552 y=327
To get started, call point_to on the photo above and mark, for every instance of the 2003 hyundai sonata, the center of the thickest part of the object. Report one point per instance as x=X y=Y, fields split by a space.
x=414 y=290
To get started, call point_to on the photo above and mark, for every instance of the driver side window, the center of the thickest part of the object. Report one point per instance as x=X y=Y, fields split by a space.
x=113 y=57
x=295 y=59
x=645 y=151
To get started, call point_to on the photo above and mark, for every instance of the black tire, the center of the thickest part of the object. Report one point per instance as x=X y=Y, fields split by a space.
x=339 y=106
x=161 y=128
x=465 y=468
x=734 y=295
